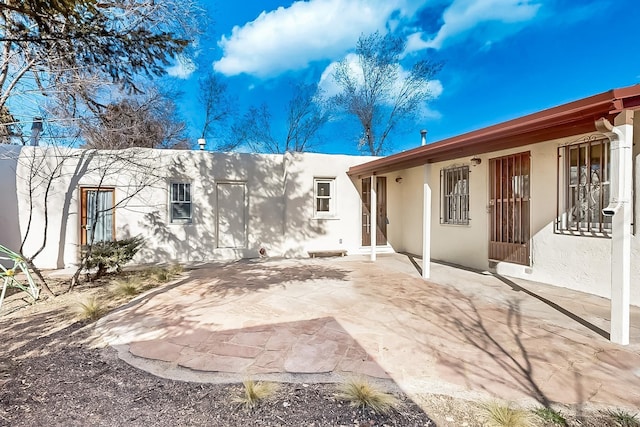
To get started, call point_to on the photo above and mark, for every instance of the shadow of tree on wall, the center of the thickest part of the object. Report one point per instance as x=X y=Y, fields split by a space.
x=275 y=210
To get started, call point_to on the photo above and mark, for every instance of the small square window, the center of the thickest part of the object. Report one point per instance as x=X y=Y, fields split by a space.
x=324 y=197
x=180 y=202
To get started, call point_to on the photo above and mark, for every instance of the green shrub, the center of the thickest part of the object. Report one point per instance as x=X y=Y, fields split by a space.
x=108 y=255
x=623 y=418
x=551 y=416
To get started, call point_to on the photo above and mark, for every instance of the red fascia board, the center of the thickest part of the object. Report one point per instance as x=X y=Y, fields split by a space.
x=569 y=119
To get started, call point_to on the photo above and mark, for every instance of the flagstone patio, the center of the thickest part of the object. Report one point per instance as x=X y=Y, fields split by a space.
x=463 y=333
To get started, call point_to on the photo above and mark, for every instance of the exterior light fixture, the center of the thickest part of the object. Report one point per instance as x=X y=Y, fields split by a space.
x=475 y=161
x=201 y=143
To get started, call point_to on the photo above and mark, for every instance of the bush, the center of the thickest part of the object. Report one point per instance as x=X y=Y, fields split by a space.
x=108 y=255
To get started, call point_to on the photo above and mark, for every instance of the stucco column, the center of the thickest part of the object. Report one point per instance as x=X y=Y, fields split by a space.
x=426 y=224
x=373 y=217
x=621 y=137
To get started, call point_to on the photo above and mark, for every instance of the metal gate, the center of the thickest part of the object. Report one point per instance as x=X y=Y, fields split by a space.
x=509 y=238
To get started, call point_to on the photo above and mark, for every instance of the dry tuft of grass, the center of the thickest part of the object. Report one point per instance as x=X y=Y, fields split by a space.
x=255 y=392
x=499 y=415
x=126 y=288
x=362 y=394
x=623 y=418
x=176 y=269
x=91 y=309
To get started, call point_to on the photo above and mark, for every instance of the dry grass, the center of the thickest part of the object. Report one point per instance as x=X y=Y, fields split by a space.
x=623 y=418
x=255 y=392
x=362 y=394
x=124 y=288
x=499 y=415
x=90 y=309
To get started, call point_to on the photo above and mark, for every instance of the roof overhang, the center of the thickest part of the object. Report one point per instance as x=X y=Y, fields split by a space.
x=574 y=118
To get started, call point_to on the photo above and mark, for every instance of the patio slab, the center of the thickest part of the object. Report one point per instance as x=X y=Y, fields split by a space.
x=462 y=333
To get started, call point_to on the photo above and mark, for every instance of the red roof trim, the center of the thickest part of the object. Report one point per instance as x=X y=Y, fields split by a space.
x=573 y=118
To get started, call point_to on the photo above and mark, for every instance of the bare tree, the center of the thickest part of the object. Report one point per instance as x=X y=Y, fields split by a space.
x=133 y=171
x=71 y=53
x=306 y=115
x=148 y=120
x=377 y=90
x=219 y=107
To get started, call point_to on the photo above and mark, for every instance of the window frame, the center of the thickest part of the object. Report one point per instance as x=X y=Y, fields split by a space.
x=582 y=187
x=332 y=198
x=180 y=220
x=450 y=177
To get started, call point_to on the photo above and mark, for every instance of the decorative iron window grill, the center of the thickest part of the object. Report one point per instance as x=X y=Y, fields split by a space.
x=583 y=187
x=454 y=188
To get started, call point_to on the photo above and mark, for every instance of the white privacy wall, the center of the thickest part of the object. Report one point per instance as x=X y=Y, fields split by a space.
x=240 y=202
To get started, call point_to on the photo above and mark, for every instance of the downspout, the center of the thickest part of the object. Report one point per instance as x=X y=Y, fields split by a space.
x=621 y=137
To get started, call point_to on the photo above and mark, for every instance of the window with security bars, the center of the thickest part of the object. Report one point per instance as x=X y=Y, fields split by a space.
x=180 y=202
x=454 y=188
x=583 y=188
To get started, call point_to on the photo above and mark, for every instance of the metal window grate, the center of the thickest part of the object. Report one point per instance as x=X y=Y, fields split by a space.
x=583 y=189
x=454 y=186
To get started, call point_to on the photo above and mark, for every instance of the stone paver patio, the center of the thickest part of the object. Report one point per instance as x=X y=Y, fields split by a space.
x=462 y=333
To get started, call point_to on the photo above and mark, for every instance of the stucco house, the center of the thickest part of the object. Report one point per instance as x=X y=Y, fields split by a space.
x=547 y=197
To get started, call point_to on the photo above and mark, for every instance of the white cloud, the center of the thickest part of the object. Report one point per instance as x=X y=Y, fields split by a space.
x=182 y=69
x=330 y=88
x=464 y=15
x=290 y=38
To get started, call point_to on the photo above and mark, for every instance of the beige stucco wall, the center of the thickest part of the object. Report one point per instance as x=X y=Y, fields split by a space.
x=277 y=210
x=575 y=262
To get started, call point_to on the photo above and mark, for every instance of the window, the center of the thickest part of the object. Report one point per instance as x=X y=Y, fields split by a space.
x=583 y=187
x=97 y=222
x=454 y=186
x=324 y=198
x=180 y=202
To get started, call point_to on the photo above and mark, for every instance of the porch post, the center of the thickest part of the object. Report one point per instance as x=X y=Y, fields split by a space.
x=426 y=224
x=621 y=137
x=373 y=217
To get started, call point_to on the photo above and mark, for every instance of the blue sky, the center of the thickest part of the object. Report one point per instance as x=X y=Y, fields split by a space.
x=502 y=58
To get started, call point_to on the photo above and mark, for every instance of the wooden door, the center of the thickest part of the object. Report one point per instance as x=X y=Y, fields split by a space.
x=96 y=215
x=509 y=237
x=381 y=211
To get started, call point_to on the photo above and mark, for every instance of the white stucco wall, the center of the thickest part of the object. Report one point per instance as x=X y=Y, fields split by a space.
x=277 y=211
x=304 y=232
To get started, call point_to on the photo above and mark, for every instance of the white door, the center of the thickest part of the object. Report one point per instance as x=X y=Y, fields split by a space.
x=232 y=211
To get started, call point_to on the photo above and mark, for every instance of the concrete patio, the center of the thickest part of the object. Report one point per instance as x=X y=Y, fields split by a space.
x=465 y=334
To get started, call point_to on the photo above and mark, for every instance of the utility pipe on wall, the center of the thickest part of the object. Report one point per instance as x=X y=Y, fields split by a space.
x=621 y=136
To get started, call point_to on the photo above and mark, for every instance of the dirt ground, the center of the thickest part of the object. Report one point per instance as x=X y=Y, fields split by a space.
x=54 y=371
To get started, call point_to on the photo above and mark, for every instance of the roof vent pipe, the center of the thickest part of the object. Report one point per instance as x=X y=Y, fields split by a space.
x=36 y=128
x=423 y=134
